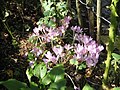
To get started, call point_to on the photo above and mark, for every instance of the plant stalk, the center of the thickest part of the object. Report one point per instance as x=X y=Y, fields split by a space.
x=91 y=18
x=78 y=7
x=110 y=47
x=98 y=20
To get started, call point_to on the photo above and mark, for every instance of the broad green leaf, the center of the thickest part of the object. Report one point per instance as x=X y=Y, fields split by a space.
x=40 y=70
x=13 y=84
x=116 y=56
x=57 y=73
x=46 y=80
x=73 y=62
x=87 y=87
x=58 y=85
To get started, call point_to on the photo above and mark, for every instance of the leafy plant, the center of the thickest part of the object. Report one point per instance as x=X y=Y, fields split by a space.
x=53 y=12
x=110 y=46
x=49 y=52
x=13 y=84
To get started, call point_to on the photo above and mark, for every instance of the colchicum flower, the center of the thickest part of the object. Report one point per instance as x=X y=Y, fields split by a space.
x=50 y=58
x=36 y=51
x=58 y=50
x=86 y=49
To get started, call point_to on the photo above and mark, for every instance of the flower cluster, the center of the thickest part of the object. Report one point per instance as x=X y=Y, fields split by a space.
x=85 y=50
x=46 y=34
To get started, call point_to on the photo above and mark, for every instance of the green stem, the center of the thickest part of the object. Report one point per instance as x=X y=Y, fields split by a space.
x=110 y=47
x=8 y=30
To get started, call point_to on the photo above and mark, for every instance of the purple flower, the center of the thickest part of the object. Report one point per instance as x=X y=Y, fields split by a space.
x=46 y=38
x=58 y=50
x=36 y=51
x=100 y=48
x=76 y=29
x=90 y=62
x=91 y=48
x=79 y=49
x=66 y=21
x=50 y=58
x=78 y=57
x=31 y=63
x=52 y=33
x=61 y=30
x=68 y=47
x=36 y=31
x=85 y=39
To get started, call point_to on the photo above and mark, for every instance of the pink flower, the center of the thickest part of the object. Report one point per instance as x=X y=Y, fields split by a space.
x=100 y=48
x=68 y=47
x=79 y=49
x=31 y=63
x=36 y=51
x=36 y=31
x=50 y=58
x=76 y=29
x=66 y=21
x=58 y=50
x=61 y=30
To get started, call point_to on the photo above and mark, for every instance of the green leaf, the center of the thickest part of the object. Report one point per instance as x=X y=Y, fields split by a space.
x=73 y=62
x=29 y=74
x=82 y=66
x=116 y=88
x=25 y=89
x=47 y=13
x=40 y=70
x=57 y=73
x=46 y=80
x=87 y=87
x=30 y=56
x=13 y=84
x=51 y=23
x=58 y=85
x=33 y=86
x=116 y=56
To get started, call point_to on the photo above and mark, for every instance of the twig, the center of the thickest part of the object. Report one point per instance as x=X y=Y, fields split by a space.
x=92 y=8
